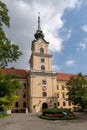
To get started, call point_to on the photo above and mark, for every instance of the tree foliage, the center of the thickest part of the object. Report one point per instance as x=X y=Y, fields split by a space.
x=77 y=90
x=8 y=52
x=8 y=87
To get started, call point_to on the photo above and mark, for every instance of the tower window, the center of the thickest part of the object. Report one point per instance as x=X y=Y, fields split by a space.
x=42 y=60
x=43 y=82
x=43 y=68
x=44 y=94
x=41 y=50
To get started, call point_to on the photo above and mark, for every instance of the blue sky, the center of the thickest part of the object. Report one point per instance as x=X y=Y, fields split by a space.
x=73 y=57
x=64 y=23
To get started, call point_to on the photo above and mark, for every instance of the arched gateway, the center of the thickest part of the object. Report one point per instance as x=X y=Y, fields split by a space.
x=44 y=105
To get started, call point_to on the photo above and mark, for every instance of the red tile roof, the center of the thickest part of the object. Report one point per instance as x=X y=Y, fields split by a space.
x=24 y=73
x=63 y=76
x=19 y=72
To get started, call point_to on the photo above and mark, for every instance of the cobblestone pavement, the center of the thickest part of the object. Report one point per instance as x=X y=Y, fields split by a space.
x=30 y=121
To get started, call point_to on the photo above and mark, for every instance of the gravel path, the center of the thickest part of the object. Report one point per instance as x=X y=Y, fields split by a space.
x=30 y=121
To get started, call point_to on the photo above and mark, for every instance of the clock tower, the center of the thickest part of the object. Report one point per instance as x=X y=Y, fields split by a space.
x=42 y=80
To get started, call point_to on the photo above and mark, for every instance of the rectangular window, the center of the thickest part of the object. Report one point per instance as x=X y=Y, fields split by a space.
x=42 y=60
x=24 y=95
x=55 y=105
x=57 y=87
x=24 y=104
x=43 y=82
x=17 y=93
x=44 y=94
x=69 y=103
x=64 y=104
x=63 y=95
x=57 y=95
x=16 y=104
x=58 y=103
x=62 y=87
x=24 y=85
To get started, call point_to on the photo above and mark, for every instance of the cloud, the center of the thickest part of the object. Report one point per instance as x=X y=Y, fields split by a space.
x=84 y=28
x=82 y=45
x=70 y=63
x=74 y=3
x=23 y=18
x=56 y=68
x=69 y=34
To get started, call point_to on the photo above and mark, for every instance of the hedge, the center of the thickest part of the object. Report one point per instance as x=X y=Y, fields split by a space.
x=55 y=111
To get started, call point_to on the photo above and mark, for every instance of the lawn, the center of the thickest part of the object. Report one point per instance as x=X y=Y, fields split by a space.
x=3 y=115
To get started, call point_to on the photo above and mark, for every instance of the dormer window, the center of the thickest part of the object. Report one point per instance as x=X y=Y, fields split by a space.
x=43 y=68
x=41 y=50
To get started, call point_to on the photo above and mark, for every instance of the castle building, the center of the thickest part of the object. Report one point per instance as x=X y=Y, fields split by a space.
x=41 y=87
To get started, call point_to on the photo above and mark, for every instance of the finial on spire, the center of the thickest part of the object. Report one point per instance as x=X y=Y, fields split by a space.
x=39 y=28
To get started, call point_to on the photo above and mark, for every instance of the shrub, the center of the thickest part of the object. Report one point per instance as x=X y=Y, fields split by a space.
x=57 y=114
x=55 y=111
x=59 y=118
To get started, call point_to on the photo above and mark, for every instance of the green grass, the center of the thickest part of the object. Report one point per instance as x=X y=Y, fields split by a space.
x=3 y=116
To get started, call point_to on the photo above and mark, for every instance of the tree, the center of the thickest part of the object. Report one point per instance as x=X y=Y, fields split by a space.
x=8 y=88
x=77 y=90
x=8 y=52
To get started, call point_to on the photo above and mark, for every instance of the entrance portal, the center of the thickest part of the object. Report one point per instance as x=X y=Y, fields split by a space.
x=44 y=105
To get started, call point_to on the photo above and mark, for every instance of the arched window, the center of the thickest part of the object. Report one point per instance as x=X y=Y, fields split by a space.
x=41 y=50
x=43 y=68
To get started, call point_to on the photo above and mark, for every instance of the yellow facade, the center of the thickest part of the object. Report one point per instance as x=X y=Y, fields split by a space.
x=51 y=94
x=22 y=103
x=42 y=79
x=41 y=88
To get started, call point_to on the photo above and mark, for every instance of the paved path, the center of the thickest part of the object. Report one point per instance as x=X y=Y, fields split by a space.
x=32 y=122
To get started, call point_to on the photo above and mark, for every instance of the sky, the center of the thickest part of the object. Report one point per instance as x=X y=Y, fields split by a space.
x=64 y=24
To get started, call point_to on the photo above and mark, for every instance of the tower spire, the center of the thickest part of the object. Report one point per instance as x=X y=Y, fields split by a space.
x=39 y=32
x=39 y=28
